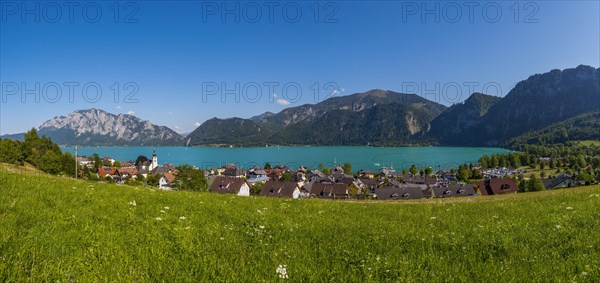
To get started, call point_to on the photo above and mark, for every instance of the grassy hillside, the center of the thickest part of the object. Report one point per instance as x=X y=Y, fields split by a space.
x=55 y=229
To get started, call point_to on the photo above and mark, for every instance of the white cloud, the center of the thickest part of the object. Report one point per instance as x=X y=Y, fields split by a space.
x=177 y=127
x=282 y=102
x=130 y=112
x=197 y=124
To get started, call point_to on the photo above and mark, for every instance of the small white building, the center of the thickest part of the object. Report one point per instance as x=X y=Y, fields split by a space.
x=165 y=182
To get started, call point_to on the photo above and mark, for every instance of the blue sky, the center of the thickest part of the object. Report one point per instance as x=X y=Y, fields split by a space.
x=173 y=54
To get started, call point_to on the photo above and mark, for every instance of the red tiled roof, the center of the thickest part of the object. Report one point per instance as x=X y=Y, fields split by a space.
x=169 y=176
x=104 y=171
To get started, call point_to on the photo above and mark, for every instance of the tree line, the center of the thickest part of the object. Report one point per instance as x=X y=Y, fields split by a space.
x=38 y=151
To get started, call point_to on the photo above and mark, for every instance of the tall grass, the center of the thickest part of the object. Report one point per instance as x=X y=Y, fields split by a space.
x=58 y=229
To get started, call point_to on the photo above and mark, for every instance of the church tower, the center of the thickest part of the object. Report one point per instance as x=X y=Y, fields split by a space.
x=154 y=161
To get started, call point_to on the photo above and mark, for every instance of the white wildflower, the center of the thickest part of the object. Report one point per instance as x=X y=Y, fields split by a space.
x=162 y=211
x=158 y=219
x=166 y=207
x=584 y=273
x=261 y=227
x=133 y=203
x=222 y=238
x=558 y=226
x=182 y=218
x=569 y=208
x=187 y=228
x=282 y=271
x=433 y=217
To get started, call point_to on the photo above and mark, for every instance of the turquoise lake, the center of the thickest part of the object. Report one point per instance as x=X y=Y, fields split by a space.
x=360 y=157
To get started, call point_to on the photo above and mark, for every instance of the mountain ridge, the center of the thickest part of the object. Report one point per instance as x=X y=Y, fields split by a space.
x=97 y=127
x=535 y=103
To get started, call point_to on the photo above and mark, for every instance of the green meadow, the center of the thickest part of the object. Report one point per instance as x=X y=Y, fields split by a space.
x=60 y=229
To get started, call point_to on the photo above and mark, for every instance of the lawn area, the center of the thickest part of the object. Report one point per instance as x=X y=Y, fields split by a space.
x=59 y=229
x=588 y=143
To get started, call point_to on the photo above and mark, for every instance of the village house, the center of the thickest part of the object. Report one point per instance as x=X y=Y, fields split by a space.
x=162 y=169
x=315 y=175
x=496 y=186
x=234 y=172
x=410 y=192
x=85 y=161
x=127 y=164
x=274 y=174
x=257 y=176
x=281 y=189
x=110 y=172
x=562 y=181
x=369 y=185
x=418 y=179
x=166 y=180
x=128 y=172
x=230 y=185
x=329 y=190
x=453 y=191
x=108 y=160
x=388 y=171
x=368 y=174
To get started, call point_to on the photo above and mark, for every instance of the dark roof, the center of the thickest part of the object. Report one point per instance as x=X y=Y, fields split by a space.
x=347 y=180
x=234 y=172
x=418 y=179
x=259 y=172
x=503 y=186
x=553 y=183
x=453 y=191
x=227 y=185
x=371 y=183
x=497 y=186
x=399 y=193
x=160 y=170
x=481 y=185
x=329 y=189
x=279 y=189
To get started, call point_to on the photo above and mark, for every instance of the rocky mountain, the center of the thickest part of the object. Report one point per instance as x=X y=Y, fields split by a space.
x=93 y=127
x=355 y=102
x=232 y=131
x=535 y=103
x=462 y=119
x=262 y=118
x=384 y=116
x=544 y=108
x=384 y=124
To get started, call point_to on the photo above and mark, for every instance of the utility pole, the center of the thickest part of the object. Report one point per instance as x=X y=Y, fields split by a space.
x=76 y=163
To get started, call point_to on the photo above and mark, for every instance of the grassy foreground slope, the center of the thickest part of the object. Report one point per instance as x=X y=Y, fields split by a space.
x=55 y=229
